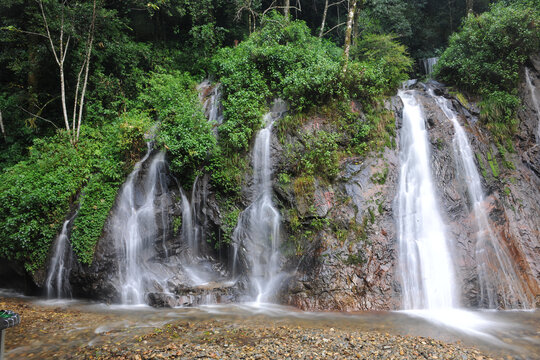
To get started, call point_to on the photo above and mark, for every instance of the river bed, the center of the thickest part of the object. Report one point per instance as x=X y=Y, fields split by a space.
x=85 y=330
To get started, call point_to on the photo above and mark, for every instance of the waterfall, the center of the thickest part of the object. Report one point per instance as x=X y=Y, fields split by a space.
x=57 y=282
x=257 y=233
x=210 y=97
x=135 y=229
x=532 y=90
x=426 y=266
x=429 y=63
x=496 y=271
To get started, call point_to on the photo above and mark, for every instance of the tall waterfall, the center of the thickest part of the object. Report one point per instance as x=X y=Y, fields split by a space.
x=496 y=271
x=135 y=228
x=426 y=266
x=257 y=233
x=532 y=90
x=57 y=282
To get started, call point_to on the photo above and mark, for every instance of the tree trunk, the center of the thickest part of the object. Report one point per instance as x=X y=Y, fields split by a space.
x=2 y=126
x=470 y=5
x=348 y=33
x=286 y=8
x=323 y=18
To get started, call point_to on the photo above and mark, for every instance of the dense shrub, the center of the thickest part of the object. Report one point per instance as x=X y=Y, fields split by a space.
x=281 y=60
x=183 y=130
x=486 y=55
x=383 y=61
x=36 y=194
x=284 y=60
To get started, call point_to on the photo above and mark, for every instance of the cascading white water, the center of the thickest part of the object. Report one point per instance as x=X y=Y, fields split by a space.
x=429 y=63
x=426 y=266
x=258 y=230
x=497 y=275
x=210 y=97
x=135 y=230
x=57 y=282
x=532 y=90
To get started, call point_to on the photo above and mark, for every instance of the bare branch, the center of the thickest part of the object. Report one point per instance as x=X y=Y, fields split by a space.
x=13 y=28
x=38 y=117
x=336 y=3
x=338 y=25
x=2 y=126
x=88 y=54
x=48 y=31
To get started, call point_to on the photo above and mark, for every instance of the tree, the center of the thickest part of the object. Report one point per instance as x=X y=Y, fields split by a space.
x=325 y=12
x=348 y=32
x=59 y=47
x=251 y=7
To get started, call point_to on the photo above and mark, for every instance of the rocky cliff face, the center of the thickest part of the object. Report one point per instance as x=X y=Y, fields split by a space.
x=349 y=256
x=339 y=235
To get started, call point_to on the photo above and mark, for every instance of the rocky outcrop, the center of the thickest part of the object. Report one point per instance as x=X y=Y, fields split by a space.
x=345 y=257
x=339 y=235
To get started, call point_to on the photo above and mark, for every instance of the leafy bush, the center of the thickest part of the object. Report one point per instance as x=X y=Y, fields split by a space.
x=184 y=130
x=488 y=51
x=36 y=194
x=281 y=60
x=388 y=57
x=319 y=155
x=485 y=58
x=284 y=60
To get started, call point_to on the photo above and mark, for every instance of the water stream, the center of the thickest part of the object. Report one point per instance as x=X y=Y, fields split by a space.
x=532 y=90
x=57 y=282
x=500 y=284
x=257 y=234
x=427 y=270
x=135 y=229
x=429 y=64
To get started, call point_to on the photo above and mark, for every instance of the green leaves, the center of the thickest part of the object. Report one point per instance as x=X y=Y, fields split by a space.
x=488 y=51
x=184 y=130
x=485 y=58
x=37 y=194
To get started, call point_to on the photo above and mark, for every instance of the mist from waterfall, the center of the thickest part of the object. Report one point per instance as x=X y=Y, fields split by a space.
x=257 y=233
x=499 y=282
x=427 y=271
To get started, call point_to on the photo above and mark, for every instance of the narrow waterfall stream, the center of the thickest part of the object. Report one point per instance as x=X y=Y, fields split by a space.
x=532 y=90
x=429 y=64
x=426 y=266
x=258 y=230
x=500 y=284
x=135 y=229
x=57 y=282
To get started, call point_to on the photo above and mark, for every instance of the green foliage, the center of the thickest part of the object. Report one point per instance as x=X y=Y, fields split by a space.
x=380 y=177
x=387 y=60
x=230 y=214
x=184 y=130
x=485 y=58
x=498 y=111
x=319 y=155
x=488 y=51
x=36 y=194
x=493 y=164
